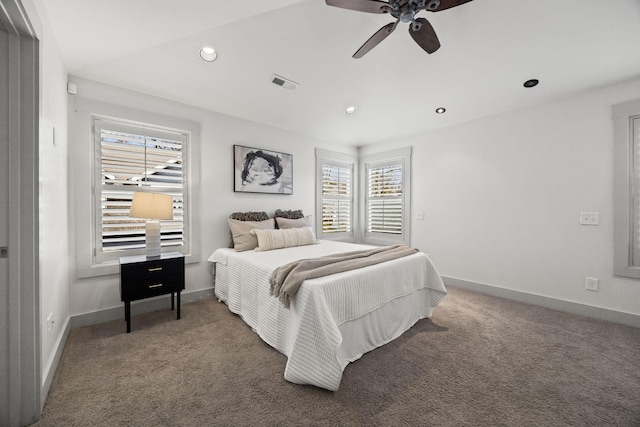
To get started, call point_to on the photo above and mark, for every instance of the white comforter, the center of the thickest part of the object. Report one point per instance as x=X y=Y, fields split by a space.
x=310 y=333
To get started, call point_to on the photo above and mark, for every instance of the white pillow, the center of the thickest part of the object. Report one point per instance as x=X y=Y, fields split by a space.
x=285 y=223
x=278 y=239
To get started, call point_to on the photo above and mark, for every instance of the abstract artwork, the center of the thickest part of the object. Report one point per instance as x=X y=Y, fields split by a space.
x=262 y=171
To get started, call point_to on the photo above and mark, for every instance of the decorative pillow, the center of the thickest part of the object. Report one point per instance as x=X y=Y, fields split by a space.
x=285 y=223
x=243 y=240
x=249 y=216
x=289 y=214
x=277 y=239
x=246 y=216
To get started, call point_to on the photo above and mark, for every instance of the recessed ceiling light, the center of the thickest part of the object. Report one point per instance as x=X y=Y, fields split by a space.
x=440 y=110
x=207 y=53
x=350 y=110
x=531 y=83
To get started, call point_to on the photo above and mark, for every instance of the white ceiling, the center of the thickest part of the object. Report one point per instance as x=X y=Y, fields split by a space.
x=489 y=48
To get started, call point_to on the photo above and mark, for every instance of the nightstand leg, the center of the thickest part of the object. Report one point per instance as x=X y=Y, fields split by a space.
x=178 y=305
x=172 y=301
x=127 y=314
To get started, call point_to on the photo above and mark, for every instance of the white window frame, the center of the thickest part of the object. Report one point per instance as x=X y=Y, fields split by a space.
x=100 y=123
x=330 y=158
x=84 y=189
x=400 y=156
x=626 y=189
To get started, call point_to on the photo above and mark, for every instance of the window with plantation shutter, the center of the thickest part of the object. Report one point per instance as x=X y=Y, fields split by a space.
x=335 y=195
x=635 y=195
x=384 y=199
x=336 y=199
x=626 y=189
x=134 y=157
x=386 y=195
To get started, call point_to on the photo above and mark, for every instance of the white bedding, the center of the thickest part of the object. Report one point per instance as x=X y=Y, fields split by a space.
x=332 y=320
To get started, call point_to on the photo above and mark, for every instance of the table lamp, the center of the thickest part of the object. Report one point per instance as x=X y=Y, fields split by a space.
x=153 y=207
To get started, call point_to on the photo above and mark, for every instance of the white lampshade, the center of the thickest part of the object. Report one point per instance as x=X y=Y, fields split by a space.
x=154 y=207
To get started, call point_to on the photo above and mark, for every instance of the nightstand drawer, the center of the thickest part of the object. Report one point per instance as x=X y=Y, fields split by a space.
x=139 y=288
x=151 y=278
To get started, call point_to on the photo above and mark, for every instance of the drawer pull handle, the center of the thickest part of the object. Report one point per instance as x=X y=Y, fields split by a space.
x=155 y=269
x=159 y=285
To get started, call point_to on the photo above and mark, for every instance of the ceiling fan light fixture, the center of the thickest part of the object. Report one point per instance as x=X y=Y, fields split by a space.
x=208 y=54
x=350 y=109
x=440 y=110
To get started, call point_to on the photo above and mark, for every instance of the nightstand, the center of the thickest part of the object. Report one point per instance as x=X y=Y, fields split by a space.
x=145 y=277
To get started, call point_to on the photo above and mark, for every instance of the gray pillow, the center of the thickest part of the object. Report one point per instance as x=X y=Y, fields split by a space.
x=291 y=214
x=243 y=240
x=246 y=216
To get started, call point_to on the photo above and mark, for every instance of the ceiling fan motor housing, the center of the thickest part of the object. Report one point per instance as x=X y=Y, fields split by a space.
x=407 y=15
x=406 y=11
x=414 y=5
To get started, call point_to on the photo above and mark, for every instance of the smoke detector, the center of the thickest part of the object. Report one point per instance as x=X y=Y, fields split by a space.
x=284 y=82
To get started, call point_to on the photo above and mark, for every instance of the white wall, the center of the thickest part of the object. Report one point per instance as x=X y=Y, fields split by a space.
x=502 y=195
x=502 y=198
x=213 y=189
x=53 y=195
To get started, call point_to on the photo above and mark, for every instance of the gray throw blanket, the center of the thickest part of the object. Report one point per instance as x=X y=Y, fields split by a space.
x=287 y=279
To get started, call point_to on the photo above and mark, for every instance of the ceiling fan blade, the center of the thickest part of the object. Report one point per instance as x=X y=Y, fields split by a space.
x=426 y=36
x=375 y=39
x=371 y=6
x=447 y=4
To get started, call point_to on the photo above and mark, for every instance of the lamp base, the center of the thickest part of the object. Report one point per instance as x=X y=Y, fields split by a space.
x=152 y=236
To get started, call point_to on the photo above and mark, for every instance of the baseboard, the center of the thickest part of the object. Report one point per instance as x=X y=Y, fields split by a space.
x=137 y=307
x=548 y=302
x=50 y=371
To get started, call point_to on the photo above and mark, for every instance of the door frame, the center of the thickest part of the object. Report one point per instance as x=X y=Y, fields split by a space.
x=20 y=360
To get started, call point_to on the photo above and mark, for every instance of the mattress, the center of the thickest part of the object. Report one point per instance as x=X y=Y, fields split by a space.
x=332 y=320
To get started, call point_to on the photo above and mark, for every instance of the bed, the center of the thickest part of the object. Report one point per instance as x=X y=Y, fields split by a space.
x=332 y=320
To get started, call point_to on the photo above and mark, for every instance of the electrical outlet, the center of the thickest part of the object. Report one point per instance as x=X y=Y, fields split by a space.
x=591 y=284
x=420 y=215
x=590 y=218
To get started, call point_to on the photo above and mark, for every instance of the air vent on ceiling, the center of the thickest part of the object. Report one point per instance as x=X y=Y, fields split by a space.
x=285 y=83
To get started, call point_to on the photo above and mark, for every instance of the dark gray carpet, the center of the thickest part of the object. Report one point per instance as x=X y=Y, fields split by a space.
x=481 y=361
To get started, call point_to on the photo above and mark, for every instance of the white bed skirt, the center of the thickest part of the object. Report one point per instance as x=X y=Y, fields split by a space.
x=382 y=325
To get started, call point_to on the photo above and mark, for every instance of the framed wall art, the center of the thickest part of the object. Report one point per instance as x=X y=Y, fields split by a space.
x=262 y=171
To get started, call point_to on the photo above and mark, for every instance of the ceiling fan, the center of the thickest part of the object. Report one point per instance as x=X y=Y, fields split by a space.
x=403 y=10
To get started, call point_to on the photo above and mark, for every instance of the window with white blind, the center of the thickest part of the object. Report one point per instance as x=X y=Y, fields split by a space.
x=386 y=197
x=335 y=195
x=136 y=157
x=336 y=199
x=634 y=125
x=627 y=189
